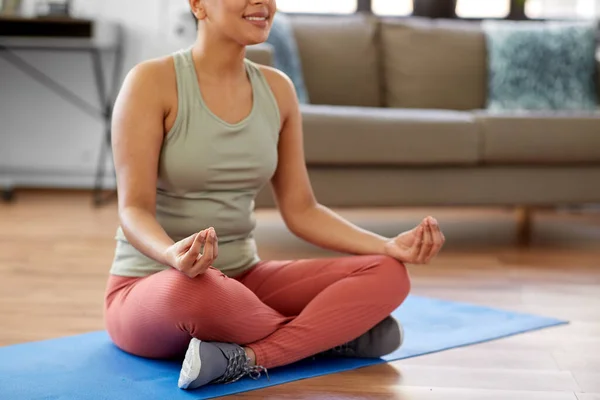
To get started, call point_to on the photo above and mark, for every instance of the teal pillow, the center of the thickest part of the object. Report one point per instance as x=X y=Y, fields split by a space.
x=541 y=65
x=286 y=55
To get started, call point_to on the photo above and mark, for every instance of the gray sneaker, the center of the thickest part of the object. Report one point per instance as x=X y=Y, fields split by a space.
x=213 y=362
x=383 y=339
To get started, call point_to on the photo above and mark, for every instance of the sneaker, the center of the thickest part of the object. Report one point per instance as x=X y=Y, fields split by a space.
x=213 y=362
x=383 y=339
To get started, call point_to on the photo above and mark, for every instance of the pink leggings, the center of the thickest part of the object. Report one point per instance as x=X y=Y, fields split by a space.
x=283 y=310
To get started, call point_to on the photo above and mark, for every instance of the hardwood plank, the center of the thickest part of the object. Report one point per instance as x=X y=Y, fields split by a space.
x=406 y=393
x=588 y=396
x=589 y=381
x=404 y=384
x=479 y=394
x=475 y=378
x=578 y=361
x=474 y=357
x=560 y=338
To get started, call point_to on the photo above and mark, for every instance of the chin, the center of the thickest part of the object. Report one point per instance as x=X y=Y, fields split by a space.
x=255 y=39
x=253 y=42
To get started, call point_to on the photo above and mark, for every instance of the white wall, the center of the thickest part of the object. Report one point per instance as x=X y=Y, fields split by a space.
x=46 y=141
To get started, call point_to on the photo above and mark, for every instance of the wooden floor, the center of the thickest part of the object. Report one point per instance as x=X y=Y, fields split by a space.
x=55 y=250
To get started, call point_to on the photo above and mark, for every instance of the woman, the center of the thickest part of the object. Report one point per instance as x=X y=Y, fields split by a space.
x=196 y=136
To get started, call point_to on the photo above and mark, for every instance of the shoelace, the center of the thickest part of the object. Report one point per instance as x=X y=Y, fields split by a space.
x=238 y=366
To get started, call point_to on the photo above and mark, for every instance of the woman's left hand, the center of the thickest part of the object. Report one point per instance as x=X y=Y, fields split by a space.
x=419 y=245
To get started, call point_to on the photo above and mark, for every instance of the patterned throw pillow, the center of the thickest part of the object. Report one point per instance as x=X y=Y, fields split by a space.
x=286 y=55
x=541 y=65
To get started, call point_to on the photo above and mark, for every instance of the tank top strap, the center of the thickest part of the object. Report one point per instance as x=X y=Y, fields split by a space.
x=265 y=98
x=186 y=78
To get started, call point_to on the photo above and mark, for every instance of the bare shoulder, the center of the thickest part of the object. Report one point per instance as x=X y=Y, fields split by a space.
x=156 y=70
x=275 y=76
x=282 y=88
x=154 y=78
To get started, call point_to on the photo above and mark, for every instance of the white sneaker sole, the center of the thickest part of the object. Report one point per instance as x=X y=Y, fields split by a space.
x=401 y=334
x=190 y=370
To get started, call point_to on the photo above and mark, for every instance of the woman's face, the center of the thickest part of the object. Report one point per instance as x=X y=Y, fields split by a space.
x=246 y=22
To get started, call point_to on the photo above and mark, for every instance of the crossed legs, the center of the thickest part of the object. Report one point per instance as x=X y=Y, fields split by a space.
x=284 y=311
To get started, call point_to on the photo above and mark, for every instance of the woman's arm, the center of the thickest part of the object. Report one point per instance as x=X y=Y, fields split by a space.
x=303 y=215
x=317 y=224
x=137 y=137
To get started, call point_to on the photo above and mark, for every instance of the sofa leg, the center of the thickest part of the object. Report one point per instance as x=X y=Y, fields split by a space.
x=524 y=221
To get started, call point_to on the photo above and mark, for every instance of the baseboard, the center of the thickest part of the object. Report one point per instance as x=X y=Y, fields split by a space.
x=14 y=179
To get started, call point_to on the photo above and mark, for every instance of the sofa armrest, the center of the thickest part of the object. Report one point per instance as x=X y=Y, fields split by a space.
x=260 y=54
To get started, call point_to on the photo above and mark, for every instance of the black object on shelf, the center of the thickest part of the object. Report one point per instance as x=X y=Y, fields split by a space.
x=46 y=27
x=435 y=8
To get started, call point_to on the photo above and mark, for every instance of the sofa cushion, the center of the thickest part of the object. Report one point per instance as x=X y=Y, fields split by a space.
x=335 y=135
x=286 y=55
x=434 y=64
x=540 y=137
x=598 y=74
x=261 y=54
x=541 y=65
x=339 y=58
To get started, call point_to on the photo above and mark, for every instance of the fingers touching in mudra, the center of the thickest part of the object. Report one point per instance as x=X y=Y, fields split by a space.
x=419 y=245
x=194 y=255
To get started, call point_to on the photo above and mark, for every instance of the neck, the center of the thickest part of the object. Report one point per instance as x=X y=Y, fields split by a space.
x=217 y=57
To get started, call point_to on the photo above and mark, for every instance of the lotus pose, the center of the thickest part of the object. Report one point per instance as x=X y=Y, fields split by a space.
x=196 y=135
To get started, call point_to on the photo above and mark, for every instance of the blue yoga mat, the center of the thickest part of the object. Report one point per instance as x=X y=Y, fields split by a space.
x=90 y=367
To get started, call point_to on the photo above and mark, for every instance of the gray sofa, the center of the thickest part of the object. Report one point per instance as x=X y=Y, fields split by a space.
x=397 y=118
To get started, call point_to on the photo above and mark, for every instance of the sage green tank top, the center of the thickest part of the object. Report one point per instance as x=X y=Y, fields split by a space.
x=209 y=174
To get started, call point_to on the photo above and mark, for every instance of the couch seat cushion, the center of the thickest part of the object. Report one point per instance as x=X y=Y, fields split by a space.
x=540 y=137
x=339 y=135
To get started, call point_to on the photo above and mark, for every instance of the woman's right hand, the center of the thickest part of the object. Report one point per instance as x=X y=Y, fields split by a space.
x=185 y=255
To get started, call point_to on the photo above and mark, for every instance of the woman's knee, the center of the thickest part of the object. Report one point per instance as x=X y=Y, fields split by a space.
x=216 y=308
x=138 y=324
x=394 y=274
x=179 y=293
